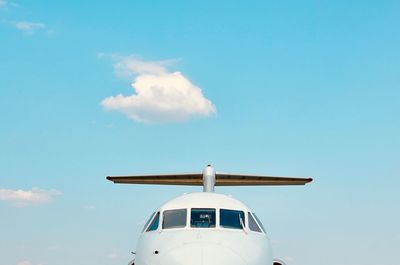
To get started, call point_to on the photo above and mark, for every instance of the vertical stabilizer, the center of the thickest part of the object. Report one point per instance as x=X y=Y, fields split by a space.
x=208 y=179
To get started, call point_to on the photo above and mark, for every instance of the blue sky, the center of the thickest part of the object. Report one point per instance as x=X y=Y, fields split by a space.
x=307 y=88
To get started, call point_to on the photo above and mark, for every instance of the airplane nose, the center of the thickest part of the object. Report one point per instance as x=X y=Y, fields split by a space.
x=217 y=255
x=200 y=254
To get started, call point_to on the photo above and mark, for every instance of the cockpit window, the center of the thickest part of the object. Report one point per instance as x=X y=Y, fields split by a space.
x=259 y=222
x=253 y=224
x=232 y=219
x=174 y=218
x=154 y=224
x=148 y=221
x=202 y=218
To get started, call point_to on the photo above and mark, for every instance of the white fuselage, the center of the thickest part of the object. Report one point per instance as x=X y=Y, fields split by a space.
x=218 y=244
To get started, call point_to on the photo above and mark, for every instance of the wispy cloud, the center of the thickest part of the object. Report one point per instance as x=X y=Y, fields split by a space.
x=160 y=95
x=28 y=27
x=34 y=196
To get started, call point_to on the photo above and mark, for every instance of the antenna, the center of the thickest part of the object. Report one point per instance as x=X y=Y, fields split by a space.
x=209 y=179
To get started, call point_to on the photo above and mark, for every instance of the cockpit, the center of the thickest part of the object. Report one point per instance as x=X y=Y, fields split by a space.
x=204 y=218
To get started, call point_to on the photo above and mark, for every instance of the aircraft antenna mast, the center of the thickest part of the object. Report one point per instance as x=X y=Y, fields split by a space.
x=208 y=179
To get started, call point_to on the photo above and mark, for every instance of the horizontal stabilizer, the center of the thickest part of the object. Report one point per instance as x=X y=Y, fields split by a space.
x=191 y=179
x=221 y=179
x=227 y=179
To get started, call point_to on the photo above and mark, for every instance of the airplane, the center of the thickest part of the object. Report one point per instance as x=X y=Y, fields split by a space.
x=205 y=228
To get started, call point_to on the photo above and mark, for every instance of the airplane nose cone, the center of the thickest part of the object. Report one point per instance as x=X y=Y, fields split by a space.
x=200 y=254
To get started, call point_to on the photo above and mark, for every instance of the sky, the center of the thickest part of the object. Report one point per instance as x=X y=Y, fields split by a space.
x=286 y=88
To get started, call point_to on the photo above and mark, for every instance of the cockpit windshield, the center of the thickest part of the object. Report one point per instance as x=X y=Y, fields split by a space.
x=174 y=218
x=232 y=219
x=259 y=222
x=202 y=218
x=148 y=221
x=154 y=224
x=253 y=224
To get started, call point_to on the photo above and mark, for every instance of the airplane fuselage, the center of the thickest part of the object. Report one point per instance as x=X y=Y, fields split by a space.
x=203 y=228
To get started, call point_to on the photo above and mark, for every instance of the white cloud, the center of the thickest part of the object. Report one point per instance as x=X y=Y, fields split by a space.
x=160 y=95
x=28 y=197
x=130 y=66
x=28 y=27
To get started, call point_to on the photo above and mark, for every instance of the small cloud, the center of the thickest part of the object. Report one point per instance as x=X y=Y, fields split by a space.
x=22 y=198
x=130 y=66
x=28 y=27
x=160 y=96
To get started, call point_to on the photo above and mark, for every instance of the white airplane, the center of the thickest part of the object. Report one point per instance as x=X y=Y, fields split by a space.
x=205 y=228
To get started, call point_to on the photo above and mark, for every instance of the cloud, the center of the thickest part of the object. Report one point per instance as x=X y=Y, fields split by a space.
x=28 y=27
x=160 y=96
x=130 y=66
x=28 y=197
